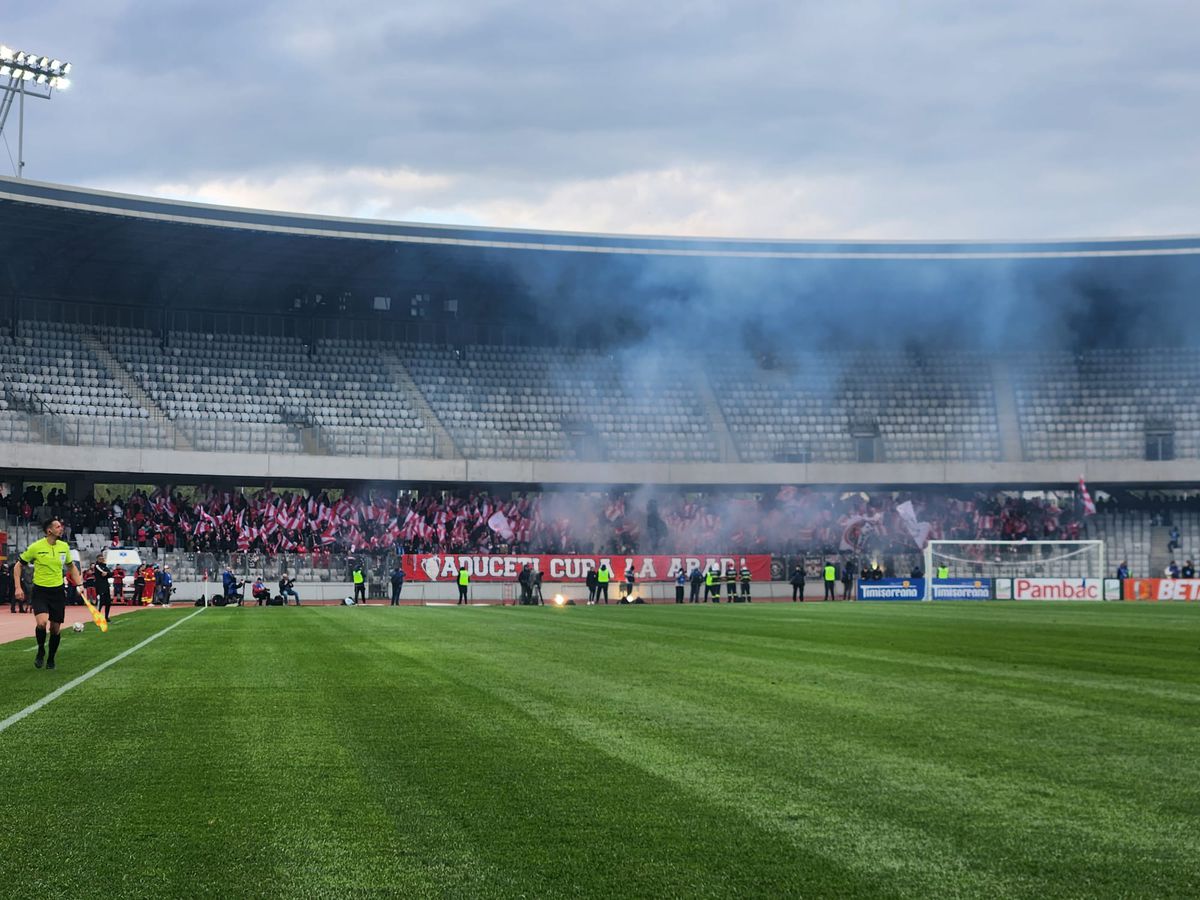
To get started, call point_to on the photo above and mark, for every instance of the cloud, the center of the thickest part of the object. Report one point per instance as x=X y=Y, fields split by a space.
x=359 y=193
x=870 y=119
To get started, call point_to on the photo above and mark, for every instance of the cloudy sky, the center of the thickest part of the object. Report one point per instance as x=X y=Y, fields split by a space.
x=908 y=120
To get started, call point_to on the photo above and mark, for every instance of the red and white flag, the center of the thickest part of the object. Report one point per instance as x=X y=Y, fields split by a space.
x=918 y=531
x=499 y=524
x=1089 y=507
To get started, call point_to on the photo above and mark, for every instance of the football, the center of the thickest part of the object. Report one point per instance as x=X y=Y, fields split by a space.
x=77 y=627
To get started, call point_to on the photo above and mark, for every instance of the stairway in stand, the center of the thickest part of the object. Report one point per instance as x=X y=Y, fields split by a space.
x=444 y=446
x=120 y=375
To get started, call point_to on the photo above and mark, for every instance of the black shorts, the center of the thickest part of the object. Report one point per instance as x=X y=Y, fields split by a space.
x=50 y=600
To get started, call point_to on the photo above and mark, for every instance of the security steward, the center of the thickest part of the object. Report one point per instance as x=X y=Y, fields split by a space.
x=49 y=556
x=464 y=582
x=6 y=588
x=712 y=590
x=797 y=583
x=360 y=583
x=602 y=578
x=943 y=572
x=744 y=577
x=695 y=580
x=829 y=574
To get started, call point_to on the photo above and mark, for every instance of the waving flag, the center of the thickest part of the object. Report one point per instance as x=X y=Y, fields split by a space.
x=499 y=524
x=1089 y=508
x=918 y=531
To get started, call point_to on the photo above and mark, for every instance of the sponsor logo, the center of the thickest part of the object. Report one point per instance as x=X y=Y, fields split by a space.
x=1162 y=589
x=891 y=589
x=1056 y=589
x=962 y=589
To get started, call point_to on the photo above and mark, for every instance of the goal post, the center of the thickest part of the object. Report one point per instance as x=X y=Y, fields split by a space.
x=1014 y=559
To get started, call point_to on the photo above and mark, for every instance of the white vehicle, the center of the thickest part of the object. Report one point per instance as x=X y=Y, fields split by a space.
x=128 y=558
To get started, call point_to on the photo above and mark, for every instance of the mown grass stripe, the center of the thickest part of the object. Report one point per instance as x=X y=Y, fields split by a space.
x=91 y=673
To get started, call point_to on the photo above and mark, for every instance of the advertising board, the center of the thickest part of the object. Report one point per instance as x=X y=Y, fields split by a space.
x=892 y=589
x=1162 y=589
x=961 y=589
x=1049 y=589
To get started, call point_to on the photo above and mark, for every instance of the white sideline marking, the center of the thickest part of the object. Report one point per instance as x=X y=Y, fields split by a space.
x=55 y=694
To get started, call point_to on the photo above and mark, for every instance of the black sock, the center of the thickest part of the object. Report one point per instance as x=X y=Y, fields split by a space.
x=40 y=634
x=54 y=639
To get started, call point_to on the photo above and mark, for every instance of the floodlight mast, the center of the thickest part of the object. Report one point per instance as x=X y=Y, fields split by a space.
x=24 y=74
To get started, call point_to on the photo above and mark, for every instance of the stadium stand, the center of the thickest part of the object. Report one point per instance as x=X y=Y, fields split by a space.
x=561 y=403
x=928 y=408
x=1100 y=404
x=787 y=520
x=122 y=387
x=239 y=392
x=1126 y=536
x=51 y=372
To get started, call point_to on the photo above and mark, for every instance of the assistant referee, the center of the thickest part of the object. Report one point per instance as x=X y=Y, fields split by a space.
x=50 y=557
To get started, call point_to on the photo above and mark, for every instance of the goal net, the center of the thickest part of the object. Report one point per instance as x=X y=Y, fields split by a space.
x=1015 y=559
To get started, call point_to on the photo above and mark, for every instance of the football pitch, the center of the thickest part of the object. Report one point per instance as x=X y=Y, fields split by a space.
x=850 y=750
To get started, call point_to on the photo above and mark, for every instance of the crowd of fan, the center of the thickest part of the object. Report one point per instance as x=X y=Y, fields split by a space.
x=786 y=521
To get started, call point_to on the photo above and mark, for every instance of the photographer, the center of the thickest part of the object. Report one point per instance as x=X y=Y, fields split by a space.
x=259 y=591
x=230 y=587
x=287 y=588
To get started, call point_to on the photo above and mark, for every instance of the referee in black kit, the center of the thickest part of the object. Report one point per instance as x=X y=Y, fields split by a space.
x=50 y=557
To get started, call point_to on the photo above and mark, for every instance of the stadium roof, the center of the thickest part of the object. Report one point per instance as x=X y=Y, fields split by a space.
x=42 y=204
x=80 y=245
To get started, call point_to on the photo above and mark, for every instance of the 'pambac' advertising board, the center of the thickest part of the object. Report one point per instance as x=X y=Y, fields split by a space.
x=961 y=589
x=444 y=567
x=1049 y=589
x=1162 y=589
x=892 y=589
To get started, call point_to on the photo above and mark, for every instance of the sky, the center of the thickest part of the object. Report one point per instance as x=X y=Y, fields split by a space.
x=930 y=119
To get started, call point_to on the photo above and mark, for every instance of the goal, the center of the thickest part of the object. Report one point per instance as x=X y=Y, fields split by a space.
x=1016 y=559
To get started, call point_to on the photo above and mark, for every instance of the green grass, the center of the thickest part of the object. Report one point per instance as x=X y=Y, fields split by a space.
x=899 y=750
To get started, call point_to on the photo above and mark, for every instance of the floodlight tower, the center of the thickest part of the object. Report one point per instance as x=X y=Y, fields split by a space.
x=29 y=74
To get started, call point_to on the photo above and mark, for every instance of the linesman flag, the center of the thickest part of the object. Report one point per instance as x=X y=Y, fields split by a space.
x=97 y=616
x=1089 y=508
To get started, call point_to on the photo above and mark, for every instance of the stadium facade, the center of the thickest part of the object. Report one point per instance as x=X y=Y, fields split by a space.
x=155 y=340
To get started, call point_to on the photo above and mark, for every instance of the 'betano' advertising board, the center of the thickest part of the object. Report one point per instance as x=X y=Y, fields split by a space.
x=1049 y=589
x=498 y=567
x=961 y=589
x=892 y=589
x=1161 y=589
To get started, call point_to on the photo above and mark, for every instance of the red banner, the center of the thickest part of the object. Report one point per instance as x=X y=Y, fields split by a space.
x=444 y=567
x=1162 y=589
